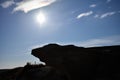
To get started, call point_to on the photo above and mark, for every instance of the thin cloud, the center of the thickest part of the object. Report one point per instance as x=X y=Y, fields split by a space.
x=84 y=14
x=7 y=4
x=108 y=1
x=93 y=5
x=107 y=14
x=95 y=42
x=29 y=5
x=113 y=40
x=104 y=41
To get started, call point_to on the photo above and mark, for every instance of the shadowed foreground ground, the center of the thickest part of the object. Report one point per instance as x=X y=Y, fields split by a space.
x=33 y=72
x=69 y=63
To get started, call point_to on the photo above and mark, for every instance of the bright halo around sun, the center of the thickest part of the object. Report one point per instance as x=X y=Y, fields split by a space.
x=41 y=18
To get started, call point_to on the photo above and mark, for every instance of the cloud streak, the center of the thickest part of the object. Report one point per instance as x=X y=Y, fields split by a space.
x=84 y=14
x=93 y=5
x=107 y=14
x=7 y=4
x=29 y=5
x=113 y=40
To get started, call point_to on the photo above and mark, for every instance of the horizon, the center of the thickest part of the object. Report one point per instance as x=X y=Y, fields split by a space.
x=81 y=23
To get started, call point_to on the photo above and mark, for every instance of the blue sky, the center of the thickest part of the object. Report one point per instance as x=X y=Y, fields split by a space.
x=85 y=23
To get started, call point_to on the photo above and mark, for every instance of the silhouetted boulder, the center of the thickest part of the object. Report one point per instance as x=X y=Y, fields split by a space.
x=96 y=63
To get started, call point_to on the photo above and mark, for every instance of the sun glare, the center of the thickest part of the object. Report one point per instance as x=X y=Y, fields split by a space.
x=41 y=18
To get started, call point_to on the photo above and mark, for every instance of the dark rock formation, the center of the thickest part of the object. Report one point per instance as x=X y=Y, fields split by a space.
x=96 y=63
x=40 y=72
x=33 y=72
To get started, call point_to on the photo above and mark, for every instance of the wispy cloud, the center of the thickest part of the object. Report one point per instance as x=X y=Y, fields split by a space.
x=7 y=4
x=107 y=14
x=84 y=14
x=93 y=5
x=113 y=40
x=95 y=42
x=108 y=1
x=28 y=5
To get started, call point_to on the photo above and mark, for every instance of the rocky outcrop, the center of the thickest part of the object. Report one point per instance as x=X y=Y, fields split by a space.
x=33 y=72
x=96 y=63
x=40 y=72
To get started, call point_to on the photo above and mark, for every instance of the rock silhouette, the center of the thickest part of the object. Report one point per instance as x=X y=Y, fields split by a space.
x=33 y=72
x=96 y=63
x=69 y=62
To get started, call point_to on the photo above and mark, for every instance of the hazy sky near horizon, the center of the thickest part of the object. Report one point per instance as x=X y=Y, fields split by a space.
x=85 y=23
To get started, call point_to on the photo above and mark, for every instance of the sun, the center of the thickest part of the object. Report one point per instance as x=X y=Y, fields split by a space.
x=41 y=18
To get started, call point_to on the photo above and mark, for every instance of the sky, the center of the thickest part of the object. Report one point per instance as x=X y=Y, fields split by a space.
x=86 y=23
